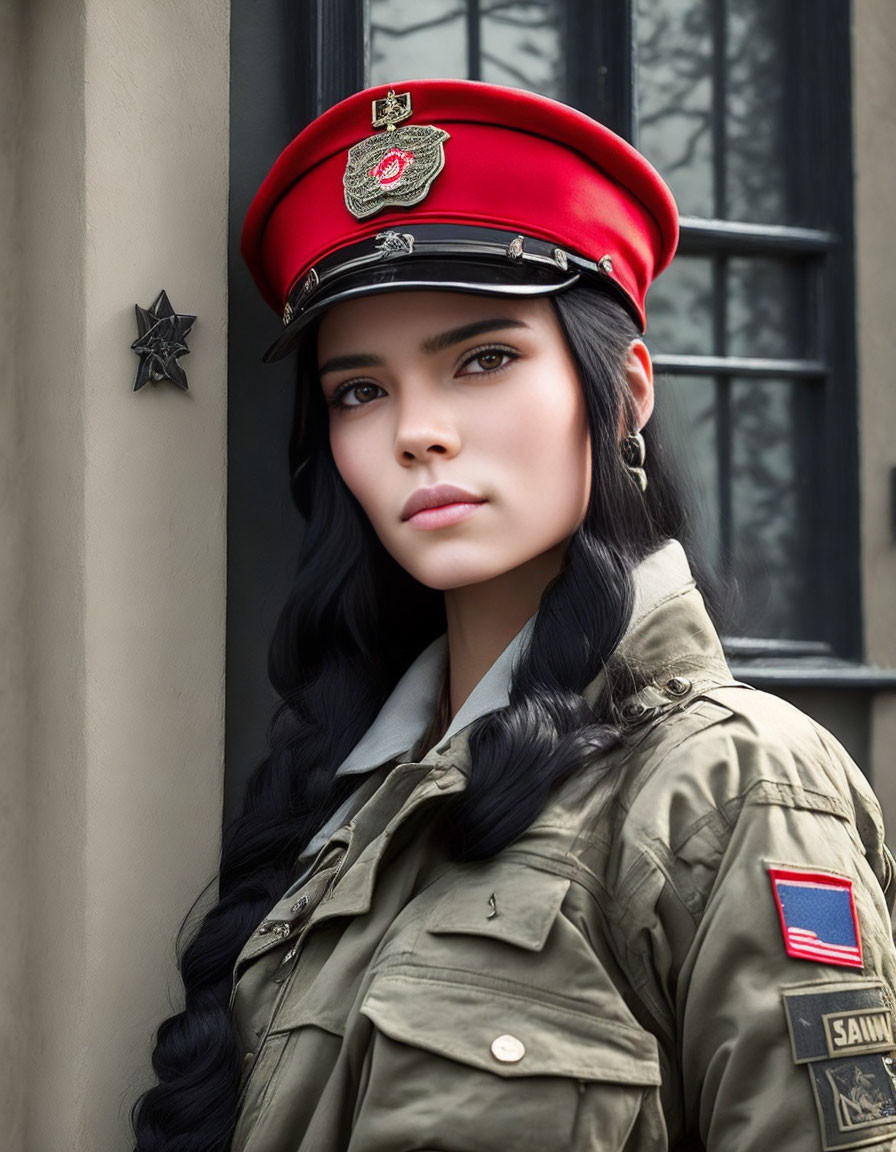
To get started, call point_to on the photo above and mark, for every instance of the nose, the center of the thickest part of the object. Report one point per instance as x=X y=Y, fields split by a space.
x=425 y=430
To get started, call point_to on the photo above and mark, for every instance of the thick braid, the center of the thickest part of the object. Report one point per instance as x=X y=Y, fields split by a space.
x=547 y=730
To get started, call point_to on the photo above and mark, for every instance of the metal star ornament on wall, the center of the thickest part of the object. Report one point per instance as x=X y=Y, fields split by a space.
x=161 y=338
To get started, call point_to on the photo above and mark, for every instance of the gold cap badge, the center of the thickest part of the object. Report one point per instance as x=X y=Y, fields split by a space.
x=395 y=168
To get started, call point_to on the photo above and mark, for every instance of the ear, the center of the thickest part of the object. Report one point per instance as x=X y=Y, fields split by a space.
x=639 y=373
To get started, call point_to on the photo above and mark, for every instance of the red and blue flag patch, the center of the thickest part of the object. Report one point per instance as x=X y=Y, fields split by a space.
x=818 y=917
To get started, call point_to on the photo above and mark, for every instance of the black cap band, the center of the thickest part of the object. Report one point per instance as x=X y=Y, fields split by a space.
x=433 y=256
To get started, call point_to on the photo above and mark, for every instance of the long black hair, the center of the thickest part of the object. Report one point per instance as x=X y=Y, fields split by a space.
x=353 y=623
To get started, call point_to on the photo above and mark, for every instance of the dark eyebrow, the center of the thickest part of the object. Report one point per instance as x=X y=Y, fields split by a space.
x=468 y=331
x=430 y=346
x=342 y=363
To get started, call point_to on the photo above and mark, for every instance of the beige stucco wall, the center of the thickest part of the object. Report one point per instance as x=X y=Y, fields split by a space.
x=120 y=502
x=875 y=145
x=13 y=768
x=874 y=93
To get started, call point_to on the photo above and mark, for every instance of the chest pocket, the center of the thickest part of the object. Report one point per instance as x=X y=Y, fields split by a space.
x=501 y=1030
x=517 y=905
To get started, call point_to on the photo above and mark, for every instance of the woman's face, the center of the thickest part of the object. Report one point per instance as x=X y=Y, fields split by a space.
x=458 y=423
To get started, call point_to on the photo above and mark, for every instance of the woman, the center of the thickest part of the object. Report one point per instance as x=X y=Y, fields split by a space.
x=525 y=868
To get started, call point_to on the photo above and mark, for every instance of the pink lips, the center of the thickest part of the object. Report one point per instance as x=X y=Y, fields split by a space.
x=440 y=506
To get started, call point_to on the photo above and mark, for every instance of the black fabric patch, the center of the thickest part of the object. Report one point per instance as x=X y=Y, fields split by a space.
x=840 y=1031
x=807 y=1010
x=856 y=1099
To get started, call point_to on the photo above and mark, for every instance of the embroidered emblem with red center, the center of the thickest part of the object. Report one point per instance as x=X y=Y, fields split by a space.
x=392 y=167
x=396 y=168
x=818 y=917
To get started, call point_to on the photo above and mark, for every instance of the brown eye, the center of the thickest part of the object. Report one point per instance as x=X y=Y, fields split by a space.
x=364 y=393
x=356 y=395
x=487 y=360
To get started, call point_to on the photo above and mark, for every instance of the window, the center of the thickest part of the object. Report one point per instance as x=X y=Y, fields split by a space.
x=751 y=327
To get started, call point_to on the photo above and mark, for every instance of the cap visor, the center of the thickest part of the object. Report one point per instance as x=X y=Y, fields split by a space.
x=489 y=278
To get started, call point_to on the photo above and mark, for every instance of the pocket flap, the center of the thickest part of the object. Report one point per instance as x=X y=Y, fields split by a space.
x=507 y=1032
x=513 y=903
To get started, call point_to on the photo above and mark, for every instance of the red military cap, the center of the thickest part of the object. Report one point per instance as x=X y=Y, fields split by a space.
x=454 y=184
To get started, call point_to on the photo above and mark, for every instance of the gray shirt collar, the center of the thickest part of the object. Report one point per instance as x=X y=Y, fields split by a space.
x=407 y=713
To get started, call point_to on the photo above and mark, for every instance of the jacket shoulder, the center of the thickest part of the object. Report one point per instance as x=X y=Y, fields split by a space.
x=732 y=757
x=734 y=746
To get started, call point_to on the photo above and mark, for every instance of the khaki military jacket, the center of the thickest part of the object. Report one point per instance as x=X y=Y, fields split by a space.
x=620 y=976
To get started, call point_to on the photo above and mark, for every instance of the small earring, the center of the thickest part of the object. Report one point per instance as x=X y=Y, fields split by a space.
x=634 y=452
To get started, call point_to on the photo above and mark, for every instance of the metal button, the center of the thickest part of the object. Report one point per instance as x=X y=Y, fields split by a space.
x=606 y=265
x=632 y=710
x=299 y=904
x=278 y=928
x=508 y=1049
x=515 y=248
x=678 y=686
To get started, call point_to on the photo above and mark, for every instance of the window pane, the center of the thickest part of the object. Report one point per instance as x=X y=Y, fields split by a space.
x=685 y=419
x=413 y=39
x=762 y=434
x=680 y=308
x=775 y=507
x=717 y=112
x=674 y=112
x=767 y=305
x=521 y=45
x=758 y=115
x=518 y=44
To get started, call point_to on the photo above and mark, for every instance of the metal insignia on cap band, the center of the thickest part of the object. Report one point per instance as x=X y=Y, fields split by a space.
x=394 y=244
x=395 y=167
x=311 y=282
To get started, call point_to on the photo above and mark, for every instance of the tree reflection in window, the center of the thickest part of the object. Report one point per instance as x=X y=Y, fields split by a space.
x=761 y=66
x=712 y=105
x=675 y=97
x=513 y=42
x=412 y=39
x=774 y=508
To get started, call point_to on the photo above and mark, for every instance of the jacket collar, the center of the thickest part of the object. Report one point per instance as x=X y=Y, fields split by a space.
x=405 y=716
x=669 y=654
